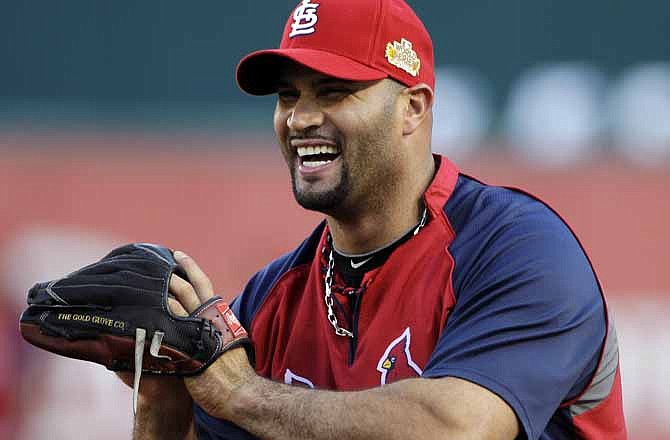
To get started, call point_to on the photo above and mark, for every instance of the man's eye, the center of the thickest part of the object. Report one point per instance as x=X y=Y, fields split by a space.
x=287 y=95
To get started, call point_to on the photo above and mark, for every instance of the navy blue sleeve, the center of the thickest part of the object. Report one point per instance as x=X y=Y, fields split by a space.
x=209 y=428
x=529 y=319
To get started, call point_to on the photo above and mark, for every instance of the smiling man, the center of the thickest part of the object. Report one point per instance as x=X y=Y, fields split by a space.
x=427 y=304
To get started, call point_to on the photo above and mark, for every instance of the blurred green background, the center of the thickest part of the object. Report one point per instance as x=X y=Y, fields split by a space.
x=171 y=63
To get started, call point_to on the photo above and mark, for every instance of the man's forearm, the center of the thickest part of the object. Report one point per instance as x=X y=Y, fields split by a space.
x=272 y=410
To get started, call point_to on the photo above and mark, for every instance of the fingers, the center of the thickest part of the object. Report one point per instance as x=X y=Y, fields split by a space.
x=198 y=278
x=189 y=295
x=176 y=308
x=185 y=295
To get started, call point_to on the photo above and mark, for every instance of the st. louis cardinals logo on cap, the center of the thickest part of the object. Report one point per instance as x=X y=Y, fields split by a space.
x=304 y=19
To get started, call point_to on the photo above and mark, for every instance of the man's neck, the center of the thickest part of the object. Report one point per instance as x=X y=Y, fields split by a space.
x=371 y=232
x=367 y=229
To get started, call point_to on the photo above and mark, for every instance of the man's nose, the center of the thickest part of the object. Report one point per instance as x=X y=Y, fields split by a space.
x=305 y=114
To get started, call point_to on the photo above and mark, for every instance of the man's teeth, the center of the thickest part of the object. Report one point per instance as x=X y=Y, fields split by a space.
x=311 y=157
x=319 y=149
x=315 y=164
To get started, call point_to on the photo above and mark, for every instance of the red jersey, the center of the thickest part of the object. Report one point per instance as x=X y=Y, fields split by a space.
x=494 y=289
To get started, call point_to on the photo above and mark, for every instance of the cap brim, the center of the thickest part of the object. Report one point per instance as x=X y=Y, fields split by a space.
x=258 y=73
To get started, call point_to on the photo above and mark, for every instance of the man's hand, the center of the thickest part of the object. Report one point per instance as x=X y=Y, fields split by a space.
x=212 y=388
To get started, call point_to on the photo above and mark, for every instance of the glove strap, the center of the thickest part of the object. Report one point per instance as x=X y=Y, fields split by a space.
x=224 y=320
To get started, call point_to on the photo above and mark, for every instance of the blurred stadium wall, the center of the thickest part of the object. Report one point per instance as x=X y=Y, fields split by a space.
x=121 y=122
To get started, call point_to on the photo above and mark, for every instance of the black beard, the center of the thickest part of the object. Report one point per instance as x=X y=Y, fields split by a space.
x=325 y=202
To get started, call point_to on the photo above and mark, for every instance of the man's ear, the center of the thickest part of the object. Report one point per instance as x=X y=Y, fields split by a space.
x=418 y=107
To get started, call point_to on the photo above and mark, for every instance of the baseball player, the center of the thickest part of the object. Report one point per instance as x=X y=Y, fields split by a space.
x=427 y=304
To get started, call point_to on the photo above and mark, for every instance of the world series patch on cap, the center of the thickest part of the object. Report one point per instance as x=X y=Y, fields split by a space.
x=357 y=40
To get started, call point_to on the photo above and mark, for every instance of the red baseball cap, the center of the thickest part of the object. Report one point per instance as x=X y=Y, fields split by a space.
x=358 y=40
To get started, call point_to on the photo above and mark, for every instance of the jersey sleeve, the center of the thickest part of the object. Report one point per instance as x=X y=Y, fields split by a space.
x=529 y=319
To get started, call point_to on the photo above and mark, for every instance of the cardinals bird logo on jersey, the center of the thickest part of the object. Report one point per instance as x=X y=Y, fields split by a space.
x=396 y=363
x=290 y=378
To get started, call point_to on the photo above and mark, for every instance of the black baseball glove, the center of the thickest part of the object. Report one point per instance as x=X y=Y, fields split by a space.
x=113 y=311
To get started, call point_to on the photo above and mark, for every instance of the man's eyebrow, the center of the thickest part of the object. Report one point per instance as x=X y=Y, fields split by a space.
x=329 y=80
x=319 y=82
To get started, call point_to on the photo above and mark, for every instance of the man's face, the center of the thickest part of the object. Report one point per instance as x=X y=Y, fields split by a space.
x=337 y=138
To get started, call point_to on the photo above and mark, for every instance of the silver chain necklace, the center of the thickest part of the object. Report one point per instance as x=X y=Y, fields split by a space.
x=328 y=284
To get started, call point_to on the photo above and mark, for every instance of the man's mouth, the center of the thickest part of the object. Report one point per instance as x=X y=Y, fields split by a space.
x=314 y=156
